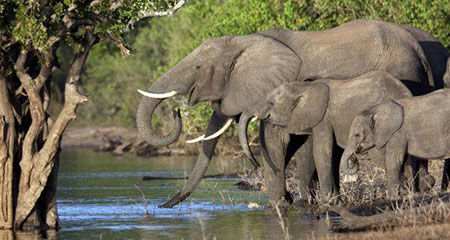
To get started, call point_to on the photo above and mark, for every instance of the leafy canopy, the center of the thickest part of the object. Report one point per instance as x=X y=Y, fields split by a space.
x=40 y=23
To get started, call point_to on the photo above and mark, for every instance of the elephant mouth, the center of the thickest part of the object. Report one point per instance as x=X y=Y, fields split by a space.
x=276 y=123
x=352 y=160
x=193 y=98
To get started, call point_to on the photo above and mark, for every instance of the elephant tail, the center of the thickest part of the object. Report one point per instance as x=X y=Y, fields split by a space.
x=446 y=77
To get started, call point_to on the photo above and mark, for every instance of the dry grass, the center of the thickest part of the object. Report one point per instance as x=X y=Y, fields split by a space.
x=436 y=231
x=367 y=196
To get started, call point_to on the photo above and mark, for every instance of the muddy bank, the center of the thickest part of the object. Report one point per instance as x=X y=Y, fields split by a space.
x=119 y=140
x=114 y=139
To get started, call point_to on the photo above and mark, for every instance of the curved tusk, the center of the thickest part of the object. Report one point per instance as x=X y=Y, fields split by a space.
x=254 y=119
x=196 y=139
x=222 y=130
x=157 y=95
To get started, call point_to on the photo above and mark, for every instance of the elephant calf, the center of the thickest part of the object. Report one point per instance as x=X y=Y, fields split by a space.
x=419 y=126
x=326 y=108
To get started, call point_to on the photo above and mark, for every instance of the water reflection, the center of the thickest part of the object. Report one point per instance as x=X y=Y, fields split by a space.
x=11 y=235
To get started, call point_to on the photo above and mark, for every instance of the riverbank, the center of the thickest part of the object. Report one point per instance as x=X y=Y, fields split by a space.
x=117 y=140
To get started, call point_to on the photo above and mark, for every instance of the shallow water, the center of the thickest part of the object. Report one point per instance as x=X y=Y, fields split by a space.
x=104 y=197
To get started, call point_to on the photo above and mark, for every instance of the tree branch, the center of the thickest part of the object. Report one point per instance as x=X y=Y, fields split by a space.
x=169 y=12
x=119 y=42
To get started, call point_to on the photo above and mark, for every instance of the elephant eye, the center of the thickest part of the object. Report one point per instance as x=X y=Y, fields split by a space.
x=197 y=67
x=357 y=135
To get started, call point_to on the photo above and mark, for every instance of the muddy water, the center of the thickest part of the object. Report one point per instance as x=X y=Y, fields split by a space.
x=104 y=197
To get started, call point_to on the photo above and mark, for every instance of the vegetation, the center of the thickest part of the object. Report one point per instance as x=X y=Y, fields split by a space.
x=167 y=40
x=31 y=33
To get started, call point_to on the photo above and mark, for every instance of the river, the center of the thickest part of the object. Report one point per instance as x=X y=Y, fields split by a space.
x=104 y=197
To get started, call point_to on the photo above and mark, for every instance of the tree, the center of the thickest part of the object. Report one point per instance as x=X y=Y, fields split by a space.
x=30 y=34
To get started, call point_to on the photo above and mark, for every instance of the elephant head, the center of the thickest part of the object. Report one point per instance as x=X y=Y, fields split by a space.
x=296 y=106
x=235 y=71
x=371 y=128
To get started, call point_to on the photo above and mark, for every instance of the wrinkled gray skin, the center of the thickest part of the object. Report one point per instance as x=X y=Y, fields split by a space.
x=418 y=126
x=325 y=108
x=235 y=72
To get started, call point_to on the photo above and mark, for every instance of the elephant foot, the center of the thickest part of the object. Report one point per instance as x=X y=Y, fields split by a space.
x=279 y=207
x=426 y=183
x=306 y=210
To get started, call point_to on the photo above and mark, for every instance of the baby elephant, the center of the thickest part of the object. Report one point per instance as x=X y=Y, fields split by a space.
x=326 y=108
x=419 y=126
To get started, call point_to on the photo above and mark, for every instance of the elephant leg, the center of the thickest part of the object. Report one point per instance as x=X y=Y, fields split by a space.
x=395 y=156
x=336 y=159
x=323 y=142
x=445 y=175
x=215 y=123
x=425 y=181
x=274 y=142
x=306 y=169
x=409 y=178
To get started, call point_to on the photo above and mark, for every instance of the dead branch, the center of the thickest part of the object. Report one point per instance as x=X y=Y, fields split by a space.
x=432 y=212
x=168 y=12
x=119 y=42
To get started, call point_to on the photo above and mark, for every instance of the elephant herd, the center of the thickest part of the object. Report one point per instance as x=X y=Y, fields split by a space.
x=323 y=97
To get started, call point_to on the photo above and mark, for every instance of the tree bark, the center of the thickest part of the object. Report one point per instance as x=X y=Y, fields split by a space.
x=38 y=162
x=7 y=142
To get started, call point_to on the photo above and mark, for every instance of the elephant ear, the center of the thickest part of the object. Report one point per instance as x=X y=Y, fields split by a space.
x=311 y=104
x=263 y=65
x=386 y=119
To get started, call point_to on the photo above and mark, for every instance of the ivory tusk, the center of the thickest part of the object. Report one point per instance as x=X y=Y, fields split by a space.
x=253 y=119
x=196 y=139
x=158 y=95
x=222 y=130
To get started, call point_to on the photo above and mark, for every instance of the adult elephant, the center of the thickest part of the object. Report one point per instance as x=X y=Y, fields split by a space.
x=235 y=72
x=437 y=55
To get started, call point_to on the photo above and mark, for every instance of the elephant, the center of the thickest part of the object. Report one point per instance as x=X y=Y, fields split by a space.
x=437 y=55
x=418 y=126
x=234 y=72
x=324 y=109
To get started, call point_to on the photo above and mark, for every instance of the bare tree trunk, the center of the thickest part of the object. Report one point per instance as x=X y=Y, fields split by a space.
x=34 y=152
x=7 y=135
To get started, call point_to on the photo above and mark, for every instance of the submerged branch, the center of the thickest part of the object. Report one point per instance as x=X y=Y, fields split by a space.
x=430 y=213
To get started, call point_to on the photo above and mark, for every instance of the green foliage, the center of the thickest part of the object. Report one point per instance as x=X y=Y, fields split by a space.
x=113 y=79
x=33 y=23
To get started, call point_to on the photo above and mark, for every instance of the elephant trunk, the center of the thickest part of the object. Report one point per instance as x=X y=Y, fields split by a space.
x=197 y=174
x=143 y=120
x=349 y=165
x=167 y=85
x=243 y=139
x=204 y=158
